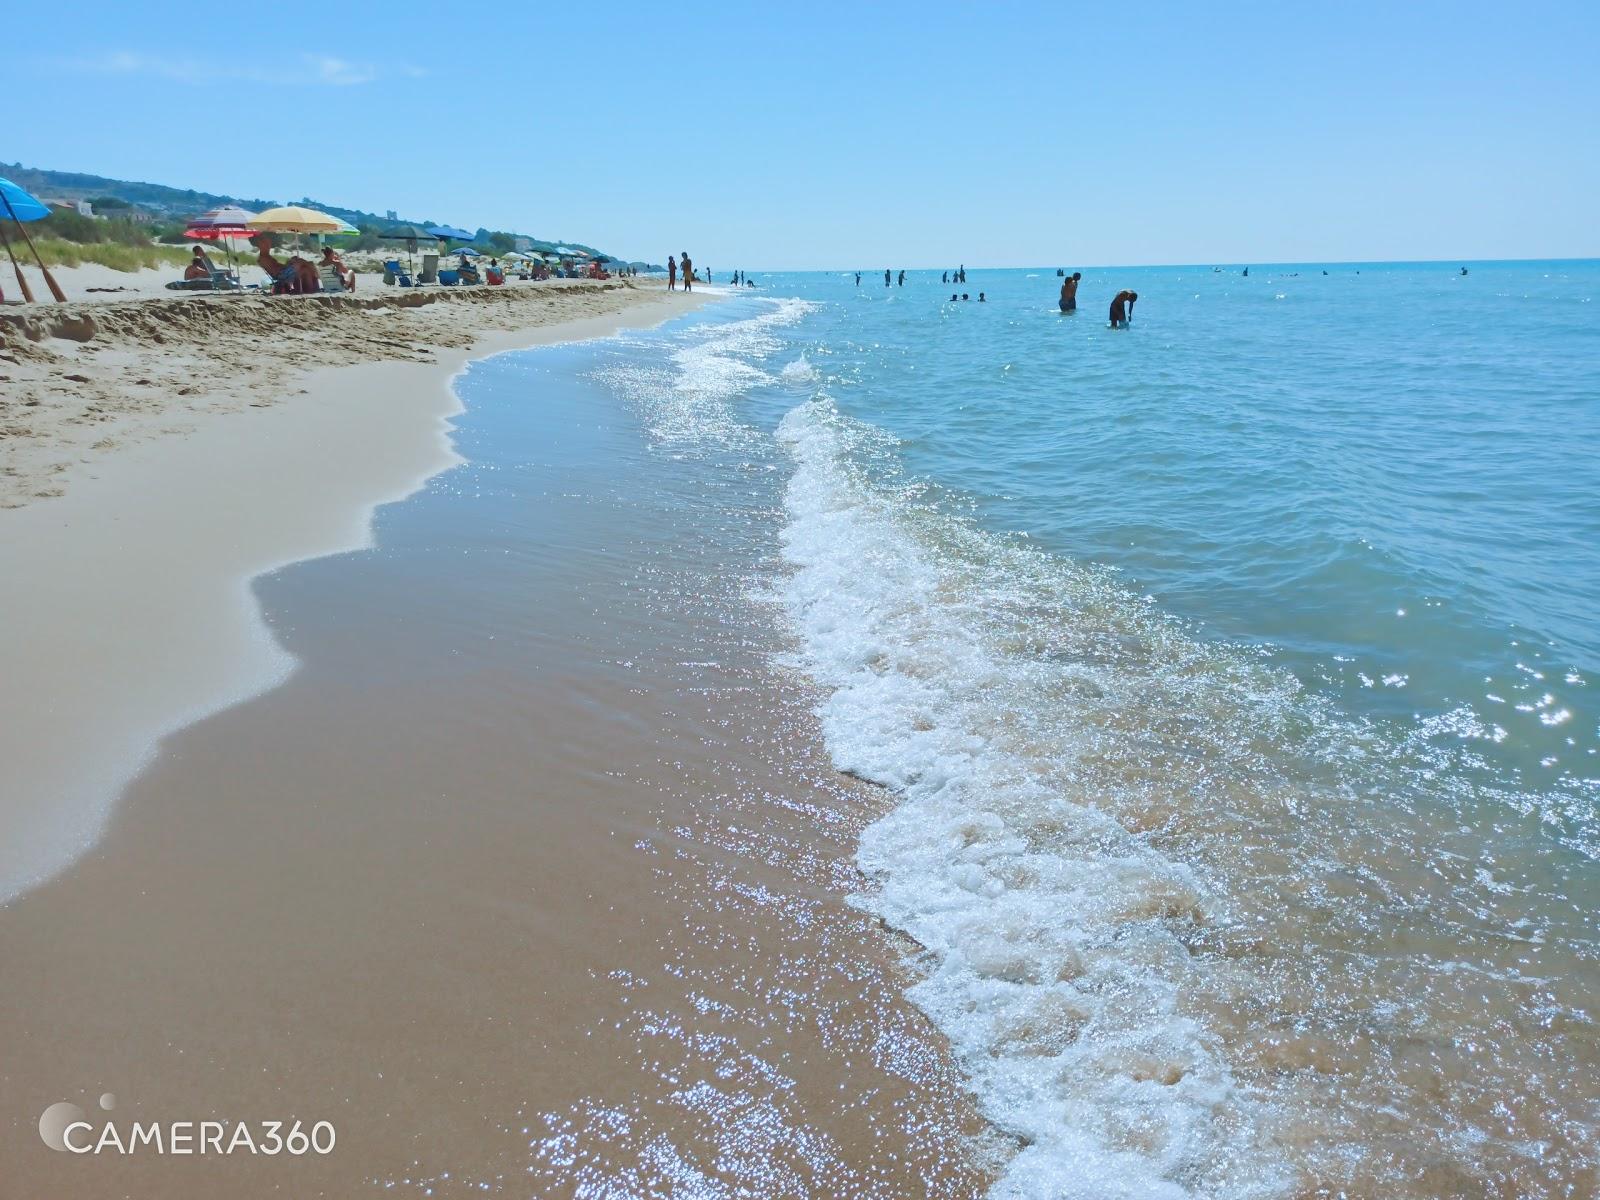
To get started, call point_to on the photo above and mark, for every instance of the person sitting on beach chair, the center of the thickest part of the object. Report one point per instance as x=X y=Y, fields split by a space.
x=201 y=274
x=295 y=277
x=332 y=266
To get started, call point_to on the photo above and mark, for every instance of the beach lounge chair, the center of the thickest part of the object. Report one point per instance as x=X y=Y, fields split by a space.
x=393 y=272
x=219 y=280
x=332 y=281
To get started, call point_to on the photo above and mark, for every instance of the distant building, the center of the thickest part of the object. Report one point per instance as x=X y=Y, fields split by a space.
x=392 y=215
x=82 y=207
x=522 y=244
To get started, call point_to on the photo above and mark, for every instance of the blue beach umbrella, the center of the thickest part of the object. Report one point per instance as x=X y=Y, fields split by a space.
x=467 y=250
x=20 y=204
x=450 y=234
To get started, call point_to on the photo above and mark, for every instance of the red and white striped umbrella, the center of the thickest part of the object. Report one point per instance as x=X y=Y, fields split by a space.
x=229 y=221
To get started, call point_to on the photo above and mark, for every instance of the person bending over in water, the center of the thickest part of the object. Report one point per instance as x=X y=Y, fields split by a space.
x=1069 y=292
x=1122 y=309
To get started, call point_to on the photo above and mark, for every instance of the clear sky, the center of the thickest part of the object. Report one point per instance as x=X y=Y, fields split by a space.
x=860 y=134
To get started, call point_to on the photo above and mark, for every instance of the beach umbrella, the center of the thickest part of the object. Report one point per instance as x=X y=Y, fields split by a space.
x=220 y=222
x=410 y=235
x=467 y=250
x=345 y=230
x=226 y=224
x=449 y=233
x=21 y=205
x=295 y=219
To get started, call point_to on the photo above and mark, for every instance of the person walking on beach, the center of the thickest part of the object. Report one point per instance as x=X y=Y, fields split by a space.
x=672 y=274
x=688 y=271
x=1122 y=309
x=1069 y=292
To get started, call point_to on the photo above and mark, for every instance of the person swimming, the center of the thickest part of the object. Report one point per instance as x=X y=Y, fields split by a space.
x=981 y=298
x=1069 y=292
x=1122 y=309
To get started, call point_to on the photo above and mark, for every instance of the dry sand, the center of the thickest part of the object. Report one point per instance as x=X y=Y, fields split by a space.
x=78 y=380
x=156 y=465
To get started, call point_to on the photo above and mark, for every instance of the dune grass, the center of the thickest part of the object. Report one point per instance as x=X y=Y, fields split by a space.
x=57 y=252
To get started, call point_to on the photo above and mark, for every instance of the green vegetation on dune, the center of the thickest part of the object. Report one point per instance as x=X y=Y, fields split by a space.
x=59 y=252
x=173 y=206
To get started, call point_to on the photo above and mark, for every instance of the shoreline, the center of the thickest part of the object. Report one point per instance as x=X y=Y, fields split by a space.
x=534 y=875
x=130 y=599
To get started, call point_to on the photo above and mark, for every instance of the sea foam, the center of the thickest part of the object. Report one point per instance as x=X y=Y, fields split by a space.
x=1053 y=957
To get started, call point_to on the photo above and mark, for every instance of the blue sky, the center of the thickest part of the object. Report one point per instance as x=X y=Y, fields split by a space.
x=870 y=135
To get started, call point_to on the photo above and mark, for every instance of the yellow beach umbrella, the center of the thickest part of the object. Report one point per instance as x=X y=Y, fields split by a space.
x=295 y=219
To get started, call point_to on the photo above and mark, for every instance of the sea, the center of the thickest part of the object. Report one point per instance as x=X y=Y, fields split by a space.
x=1231 y=681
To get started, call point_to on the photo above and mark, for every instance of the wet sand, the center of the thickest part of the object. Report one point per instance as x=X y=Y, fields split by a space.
x=529 y=880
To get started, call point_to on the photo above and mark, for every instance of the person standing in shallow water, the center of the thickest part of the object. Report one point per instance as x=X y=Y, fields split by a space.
x=1069 y=292
x=888 y=277
x=1122 y=309
x=858 y=278
x=672 y=274
x=688 y=271
x=902 y=279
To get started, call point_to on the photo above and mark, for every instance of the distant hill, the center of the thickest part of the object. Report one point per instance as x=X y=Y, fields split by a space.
x=183 y=203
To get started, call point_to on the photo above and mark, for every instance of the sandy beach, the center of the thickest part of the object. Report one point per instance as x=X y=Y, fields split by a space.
x=285 y=895
x=167 y=463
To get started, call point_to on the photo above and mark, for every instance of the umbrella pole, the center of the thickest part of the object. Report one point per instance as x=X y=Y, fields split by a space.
x=27 y=292
x=55 y=288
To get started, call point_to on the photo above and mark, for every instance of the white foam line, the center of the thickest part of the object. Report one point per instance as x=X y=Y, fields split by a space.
x=1052 y=965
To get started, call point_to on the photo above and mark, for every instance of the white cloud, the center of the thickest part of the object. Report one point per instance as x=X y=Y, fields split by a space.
x=324 y=70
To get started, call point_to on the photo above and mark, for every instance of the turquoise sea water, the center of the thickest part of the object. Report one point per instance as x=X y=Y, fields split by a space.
x=1232 y=678
x=1384 y=477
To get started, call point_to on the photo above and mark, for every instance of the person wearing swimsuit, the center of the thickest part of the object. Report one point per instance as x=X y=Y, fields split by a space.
x=1069 y=292
x=1122 y=309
